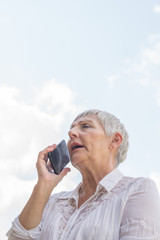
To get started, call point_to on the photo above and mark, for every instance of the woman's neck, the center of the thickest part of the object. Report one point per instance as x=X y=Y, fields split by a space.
x=90 y=180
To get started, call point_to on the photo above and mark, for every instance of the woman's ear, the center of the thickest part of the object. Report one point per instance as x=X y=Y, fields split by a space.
x=116 y=140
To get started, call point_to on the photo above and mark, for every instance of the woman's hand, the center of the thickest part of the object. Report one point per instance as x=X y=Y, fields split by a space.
x=31 y=215
x=44 y=169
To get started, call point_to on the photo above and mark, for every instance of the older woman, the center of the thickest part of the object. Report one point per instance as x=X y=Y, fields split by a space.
x=106 y=205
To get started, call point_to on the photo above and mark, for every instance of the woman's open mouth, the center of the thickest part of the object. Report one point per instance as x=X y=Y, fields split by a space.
x=74 y=146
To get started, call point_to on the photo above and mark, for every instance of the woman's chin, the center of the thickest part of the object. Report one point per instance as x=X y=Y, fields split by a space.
x=77 y=160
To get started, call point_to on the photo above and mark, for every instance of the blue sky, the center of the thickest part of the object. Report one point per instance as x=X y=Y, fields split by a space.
x=58 y=58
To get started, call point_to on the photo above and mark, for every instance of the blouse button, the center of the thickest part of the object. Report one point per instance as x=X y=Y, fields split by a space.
x=142 y=223
x=96 y=226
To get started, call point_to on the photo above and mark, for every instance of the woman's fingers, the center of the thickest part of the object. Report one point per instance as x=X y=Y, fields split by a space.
x=52 y=146
x=44 y=166
x=64 y=172
x=43 y=155
x=42 y=160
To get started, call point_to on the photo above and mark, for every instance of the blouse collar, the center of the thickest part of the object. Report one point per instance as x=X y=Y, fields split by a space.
x=111 y=179
x=108 y=182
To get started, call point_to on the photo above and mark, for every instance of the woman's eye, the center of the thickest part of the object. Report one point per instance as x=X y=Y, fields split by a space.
x=85 y=125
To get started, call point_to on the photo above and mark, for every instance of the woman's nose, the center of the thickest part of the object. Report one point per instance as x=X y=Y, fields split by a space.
x=73 y=133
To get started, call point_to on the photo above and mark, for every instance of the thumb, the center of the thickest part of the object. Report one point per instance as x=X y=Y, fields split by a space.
x=64 y=172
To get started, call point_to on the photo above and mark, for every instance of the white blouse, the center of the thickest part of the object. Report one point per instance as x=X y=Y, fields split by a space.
x=122 y=208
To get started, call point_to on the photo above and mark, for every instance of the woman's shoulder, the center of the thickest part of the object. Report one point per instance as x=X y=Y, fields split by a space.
x=131 y=185
x=143 y=183
x=143 y=187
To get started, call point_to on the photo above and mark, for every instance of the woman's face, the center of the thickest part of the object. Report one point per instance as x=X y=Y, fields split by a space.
x=88 y=142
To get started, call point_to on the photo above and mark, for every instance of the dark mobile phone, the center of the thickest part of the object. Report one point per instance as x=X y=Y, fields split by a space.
x=59 y=157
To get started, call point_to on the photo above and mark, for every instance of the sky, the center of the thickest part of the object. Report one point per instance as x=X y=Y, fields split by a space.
x=58 y=58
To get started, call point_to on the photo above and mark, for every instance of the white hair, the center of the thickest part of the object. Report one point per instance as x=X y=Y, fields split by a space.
x=111 y=125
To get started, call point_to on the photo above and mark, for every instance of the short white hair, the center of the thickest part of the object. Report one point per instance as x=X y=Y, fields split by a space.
x=111 y=125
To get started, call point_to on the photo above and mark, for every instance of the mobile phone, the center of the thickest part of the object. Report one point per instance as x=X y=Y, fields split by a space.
x=59 y=157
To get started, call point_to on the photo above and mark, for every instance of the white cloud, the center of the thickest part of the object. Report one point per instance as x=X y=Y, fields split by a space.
x=152 y=55
x=25 y=129
x=154 y=37
x=156 y=9
x=144 y=81
x=144 y=69
x=145 y=61
x=147 y=67
x=55 y=95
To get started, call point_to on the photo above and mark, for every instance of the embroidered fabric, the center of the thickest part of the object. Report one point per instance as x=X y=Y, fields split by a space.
x=101 y=198
x=121 y=208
